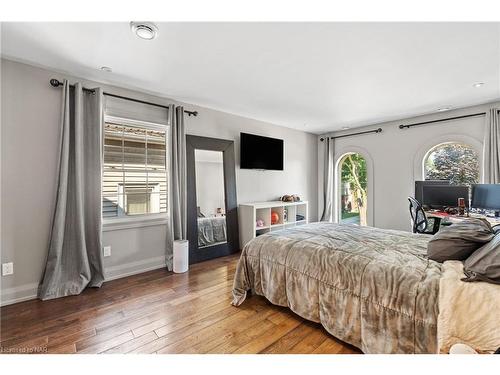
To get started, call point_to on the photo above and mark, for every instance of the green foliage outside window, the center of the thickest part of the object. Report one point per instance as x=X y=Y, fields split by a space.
x=354 y=173
x=455 y=162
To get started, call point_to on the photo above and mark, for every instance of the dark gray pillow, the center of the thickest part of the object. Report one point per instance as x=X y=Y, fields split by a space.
x=459 y=240
x=484 y=263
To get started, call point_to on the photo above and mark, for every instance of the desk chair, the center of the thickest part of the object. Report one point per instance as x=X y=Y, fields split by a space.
x=419 y=220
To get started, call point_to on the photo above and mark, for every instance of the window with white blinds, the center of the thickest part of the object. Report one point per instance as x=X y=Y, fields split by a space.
x=134 y=171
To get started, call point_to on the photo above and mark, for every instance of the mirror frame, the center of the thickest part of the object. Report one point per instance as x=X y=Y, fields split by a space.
x=194 y=142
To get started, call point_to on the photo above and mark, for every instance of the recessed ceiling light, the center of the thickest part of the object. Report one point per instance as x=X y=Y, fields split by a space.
x=106 y=69
x=444 y=109
x=144 y=30
x=478 y=84
x=346 y=127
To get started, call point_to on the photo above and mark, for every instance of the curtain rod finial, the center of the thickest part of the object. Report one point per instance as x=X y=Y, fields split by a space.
x=55 y=82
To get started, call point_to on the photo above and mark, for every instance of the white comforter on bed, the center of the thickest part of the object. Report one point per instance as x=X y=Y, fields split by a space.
x=469 y=312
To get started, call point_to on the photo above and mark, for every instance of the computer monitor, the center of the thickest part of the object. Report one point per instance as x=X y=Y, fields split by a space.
x=419 y=187
x=486 y=196
x=439 y=196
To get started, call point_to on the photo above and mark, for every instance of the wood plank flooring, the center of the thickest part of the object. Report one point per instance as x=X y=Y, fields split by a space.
x=162 y=312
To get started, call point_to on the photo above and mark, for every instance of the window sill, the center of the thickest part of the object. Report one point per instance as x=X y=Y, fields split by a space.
x=133 y=222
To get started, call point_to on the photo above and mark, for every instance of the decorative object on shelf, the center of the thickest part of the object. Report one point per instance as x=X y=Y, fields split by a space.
x=259 y=223
x=299 y=217
x=275 y=217
x=285 y=215
x=290 y=198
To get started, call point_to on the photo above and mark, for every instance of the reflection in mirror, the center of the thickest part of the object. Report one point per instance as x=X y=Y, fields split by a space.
x=210 y=198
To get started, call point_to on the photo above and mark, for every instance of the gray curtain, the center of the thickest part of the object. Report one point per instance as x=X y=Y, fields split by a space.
x=491 y=154
x=74 y=258
x=178 y=207
x=328 y=180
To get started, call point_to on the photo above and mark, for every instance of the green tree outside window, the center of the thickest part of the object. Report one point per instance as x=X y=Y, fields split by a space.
x=455 y=162
x=354 y=194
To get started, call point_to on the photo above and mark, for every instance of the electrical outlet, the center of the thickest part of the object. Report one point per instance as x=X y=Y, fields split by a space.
x=107 y=251
x=7 y=269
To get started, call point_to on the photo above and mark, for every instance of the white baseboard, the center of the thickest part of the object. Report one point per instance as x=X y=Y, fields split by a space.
x=27 y=292
x=17 y=294
x=133 y=268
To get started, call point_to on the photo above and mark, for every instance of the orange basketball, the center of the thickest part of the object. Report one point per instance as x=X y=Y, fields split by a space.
x=275 y=217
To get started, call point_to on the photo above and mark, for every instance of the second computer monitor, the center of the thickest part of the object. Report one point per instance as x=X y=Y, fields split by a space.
x=438 y=196
x=486 y=196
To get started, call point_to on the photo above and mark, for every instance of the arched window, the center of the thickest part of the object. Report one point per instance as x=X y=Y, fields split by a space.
x=456 y=162
x=353 y=189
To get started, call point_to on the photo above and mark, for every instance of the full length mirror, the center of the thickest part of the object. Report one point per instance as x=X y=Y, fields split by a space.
x=212 y=229
x=210 y=198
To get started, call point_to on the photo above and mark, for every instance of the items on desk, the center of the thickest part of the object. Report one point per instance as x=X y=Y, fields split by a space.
x=440 y=194
x=451 y=203
x=451 y=211
x=461 y=206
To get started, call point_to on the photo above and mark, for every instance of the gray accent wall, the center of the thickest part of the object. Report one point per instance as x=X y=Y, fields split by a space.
x=30 y=110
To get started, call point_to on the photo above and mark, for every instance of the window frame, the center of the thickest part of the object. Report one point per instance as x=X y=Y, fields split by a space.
x=139 y=220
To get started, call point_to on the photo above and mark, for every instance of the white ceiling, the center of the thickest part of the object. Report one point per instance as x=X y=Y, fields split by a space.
x=315 y=77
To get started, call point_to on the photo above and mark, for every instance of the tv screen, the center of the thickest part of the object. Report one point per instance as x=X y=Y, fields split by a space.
x=258 y=152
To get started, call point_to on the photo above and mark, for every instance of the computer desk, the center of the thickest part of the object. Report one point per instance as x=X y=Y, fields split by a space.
x=445 y=217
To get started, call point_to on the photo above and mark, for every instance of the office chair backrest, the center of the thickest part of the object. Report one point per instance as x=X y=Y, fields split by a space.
x=418 y=218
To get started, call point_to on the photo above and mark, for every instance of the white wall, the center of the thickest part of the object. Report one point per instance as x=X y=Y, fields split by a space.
x=395 y=159
x=29 y=148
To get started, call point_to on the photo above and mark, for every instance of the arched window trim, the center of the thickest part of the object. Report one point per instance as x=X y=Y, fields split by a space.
x=421 y=155
x=339 y=155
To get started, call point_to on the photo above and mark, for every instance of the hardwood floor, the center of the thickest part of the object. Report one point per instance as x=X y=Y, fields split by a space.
x=162 y=312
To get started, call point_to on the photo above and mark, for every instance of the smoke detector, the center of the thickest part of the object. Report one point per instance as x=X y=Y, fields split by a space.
x=144 y=30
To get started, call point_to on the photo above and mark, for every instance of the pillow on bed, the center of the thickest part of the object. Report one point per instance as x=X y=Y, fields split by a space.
x=484 y=263
x=459 y=240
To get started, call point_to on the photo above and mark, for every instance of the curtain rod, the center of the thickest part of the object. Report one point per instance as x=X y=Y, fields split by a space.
x=441 y=120
x=56 y=83
x=379 y=130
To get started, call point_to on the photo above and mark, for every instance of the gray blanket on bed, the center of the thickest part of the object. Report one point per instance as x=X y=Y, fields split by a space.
x=369 y=287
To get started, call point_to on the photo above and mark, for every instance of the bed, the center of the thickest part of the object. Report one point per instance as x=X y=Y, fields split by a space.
x=372 y=288
x=211 y=231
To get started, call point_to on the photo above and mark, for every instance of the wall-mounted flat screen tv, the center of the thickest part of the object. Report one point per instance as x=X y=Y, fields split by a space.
x=257 y=152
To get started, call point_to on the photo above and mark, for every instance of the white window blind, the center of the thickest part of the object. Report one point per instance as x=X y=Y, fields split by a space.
x=134 y=170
